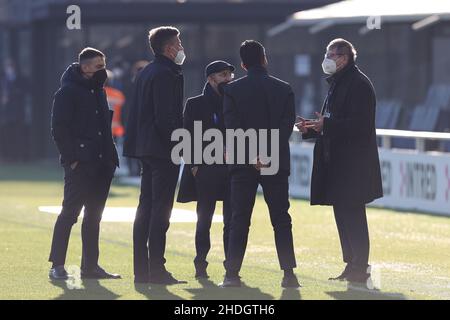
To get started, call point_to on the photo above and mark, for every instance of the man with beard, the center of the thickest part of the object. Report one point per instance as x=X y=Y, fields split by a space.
x=259 y=101
x=81 y=128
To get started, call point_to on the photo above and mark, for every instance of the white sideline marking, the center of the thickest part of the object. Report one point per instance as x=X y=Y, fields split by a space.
x=127 y=214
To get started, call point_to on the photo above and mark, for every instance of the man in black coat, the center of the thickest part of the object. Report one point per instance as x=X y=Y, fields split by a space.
x=155 y=112
x=259 y=101
x=201 y=182
x=346 y=170
x=81 y=128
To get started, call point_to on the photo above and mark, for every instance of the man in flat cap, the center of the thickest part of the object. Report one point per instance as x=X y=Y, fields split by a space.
x=201 y=182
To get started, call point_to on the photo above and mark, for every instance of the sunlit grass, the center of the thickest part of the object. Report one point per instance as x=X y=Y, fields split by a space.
x=409 y=252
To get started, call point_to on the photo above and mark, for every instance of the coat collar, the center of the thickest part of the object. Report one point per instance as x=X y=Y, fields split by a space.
x=73 y=75
x=340 y=78
x=211 y=95
x=159 y=58
x=257 y=70
x=350 y=68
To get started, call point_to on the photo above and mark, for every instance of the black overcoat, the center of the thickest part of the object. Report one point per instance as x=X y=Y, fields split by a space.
x=155 y=110
x=81 y=120
x=346 y=168
x=207 y=108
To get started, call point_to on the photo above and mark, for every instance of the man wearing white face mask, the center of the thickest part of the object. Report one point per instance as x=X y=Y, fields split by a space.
x=155 y=111
x=346 y=169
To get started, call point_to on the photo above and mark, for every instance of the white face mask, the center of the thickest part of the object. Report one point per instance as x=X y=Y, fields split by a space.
x=329 y=66
x=179 y=59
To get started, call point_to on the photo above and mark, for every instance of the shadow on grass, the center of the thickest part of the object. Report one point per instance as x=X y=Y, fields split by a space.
x=211 y=291
x=291 y=294
x=156 y=292
x=83 y=290
x=361 y=292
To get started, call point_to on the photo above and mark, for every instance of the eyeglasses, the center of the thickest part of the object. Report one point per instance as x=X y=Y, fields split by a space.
x=331 y=55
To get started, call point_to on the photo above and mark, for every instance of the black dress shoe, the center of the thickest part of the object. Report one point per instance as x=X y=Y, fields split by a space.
x=343 y=275
x=290 y=281
x=164 y=278
x=58 y=273
x=98 y=273
x=230 y=282
x=358 y=276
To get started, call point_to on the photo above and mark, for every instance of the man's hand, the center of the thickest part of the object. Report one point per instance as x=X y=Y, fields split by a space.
x=74 y=165
x=258 y=164
x=316 y=125
x=194 y=170
x=300 y=124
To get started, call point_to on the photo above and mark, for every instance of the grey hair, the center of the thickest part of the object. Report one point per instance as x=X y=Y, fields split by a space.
x=343 y=46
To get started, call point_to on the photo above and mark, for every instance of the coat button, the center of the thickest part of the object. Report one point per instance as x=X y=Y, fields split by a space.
x=99 y=133
x=96 y=111
x=82 y=145
x=92 y=91
x=100 y=156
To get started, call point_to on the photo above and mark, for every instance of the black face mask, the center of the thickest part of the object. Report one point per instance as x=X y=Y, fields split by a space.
x=99 y=78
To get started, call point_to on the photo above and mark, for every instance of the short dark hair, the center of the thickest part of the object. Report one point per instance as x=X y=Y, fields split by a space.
x=252 y=53
x=343 y=46
x=89 y=53
x=160 y=37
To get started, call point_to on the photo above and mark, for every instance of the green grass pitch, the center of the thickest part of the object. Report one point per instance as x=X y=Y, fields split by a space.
x=410 y=252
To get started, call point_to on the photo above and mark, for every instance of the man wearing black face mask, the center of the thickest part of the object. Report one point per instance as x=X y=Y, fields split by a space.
x=81 y=128
x=207 y=183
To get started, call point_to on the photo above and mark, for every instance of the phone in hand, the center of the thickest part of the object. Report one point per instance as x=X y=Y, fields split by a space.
x=301 y=119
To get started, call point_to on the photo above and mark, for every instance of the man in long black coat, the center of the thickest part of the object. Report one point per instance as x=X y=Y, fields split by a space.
x=155 y=112
x=81 y=128
x=346 y=169
x=201 y=182
x=254 y=102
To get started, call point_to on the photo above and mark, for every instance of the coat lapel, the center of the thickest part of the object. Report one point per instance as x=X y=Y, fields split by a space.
x=342 y=85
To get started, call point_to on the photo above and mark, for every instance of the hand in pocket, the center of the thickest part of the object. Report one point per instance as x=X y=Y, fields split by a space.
x=74 y=165
x=194 y=171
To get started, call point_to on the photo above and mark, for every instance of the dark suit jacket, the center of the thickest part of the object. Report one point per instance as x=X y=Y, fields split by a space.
x=260 y=101
x=346 y=167
x=156 y=110
x=81 y=120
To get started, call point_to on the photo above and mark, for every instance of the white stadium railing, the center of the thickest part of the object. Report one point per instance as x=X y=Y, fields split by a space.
x=413 y=180
x=419 y=136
